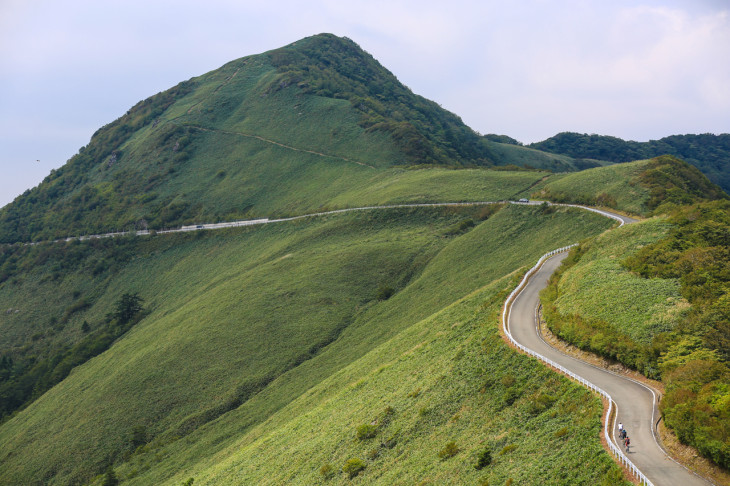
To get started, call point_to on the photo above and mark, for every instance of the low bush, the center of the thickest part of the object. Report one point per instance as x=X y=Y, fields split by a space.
x=327 y=471
x=353 y=467
x=385 y=292
x=366 y=431
x=507 y=449
x=484 y=459
x=449 y=450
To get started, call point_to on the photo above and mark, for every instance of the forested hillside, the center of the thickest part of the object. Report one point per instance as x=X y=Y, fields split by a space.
x=709 y=153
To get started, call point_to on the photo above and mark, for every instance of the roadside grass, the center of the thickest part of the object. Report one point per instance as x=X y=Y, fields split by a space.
x=600 y=287
x=615 y=186
x=397 y=186
x=442 y=379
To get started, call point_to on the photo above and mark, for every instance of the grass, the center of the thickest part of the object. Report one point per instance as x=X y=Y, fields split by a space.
x=509 y=154
x=619 y=183
x=600 y=287
x=244 y=322
x=455 y=357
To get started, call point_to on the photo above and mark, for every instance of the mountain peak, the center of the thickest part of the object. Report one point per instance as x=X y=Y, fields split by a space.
x=182 y=155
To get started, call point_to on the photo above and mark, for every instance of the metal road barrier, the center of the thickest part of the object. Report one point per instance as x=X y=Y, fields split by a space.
x=505 y=320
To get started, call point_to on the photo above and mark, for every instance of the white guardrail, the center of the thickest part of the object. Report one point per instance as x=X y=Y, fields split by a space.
x=505 y=324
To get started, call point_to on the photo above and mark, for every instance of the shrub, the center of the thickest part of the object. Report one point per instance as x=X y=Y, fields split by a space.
x=127 y=308
x=386 y=416
x=353 y=467
x=511 y=395
x=110 y=477
x=327 y=471
x=385 y=292
x=139 y=437
x=391 y=441
x=366 y=431
x=507 y=449
x=449 y=450
x=540 y=403
x=484 y=459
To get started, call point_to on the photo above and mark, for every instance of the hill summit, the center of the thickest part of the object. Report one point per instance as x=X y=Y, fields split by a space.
x=203 y=150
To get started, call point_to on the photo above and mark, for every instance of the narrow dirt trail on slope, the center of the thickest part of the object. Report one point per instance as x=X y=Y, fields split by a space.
x=279 y=144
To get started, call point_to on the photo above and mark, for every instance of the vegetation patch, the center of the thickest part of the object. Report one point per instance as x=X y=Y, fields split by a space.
x=709 y=153
x=354 y=466
x=670 y=322
x=449 y=450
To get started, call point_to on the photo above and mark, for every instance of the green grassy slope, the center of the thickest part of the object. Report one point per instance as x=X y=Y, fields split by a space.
x=640 y=187
x=244 y=322
x=447 y=378
x=276 y=133
x=617 y=183
x=511 y=154
x=640 y=308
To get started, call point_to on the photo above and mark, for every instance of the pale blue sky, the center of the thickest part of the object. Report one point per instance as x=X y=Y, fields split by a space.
x=638 y=70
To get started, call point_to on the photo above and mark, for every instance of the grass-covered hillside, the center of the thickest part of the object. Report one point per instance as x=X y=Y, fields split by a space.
x=709 y=153
x=653 y=295
x=641 y=187
x=284 y=132
x=247 y=333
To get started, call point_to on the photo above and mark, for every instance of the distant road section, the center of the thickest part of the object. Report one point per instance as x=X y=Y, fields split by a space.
x=250 y=222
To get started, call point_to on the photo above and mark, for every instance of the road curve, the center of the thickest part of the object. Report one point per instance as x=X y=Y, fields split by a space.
x=635 y=402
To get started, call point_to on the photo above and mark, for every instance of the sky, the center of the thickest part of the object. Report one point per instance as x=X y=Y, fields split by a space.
x=639 y=70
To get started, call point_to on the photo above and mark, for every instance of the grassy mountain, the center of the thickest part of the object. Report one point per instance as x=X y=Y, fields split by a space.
x=709 y=153
x=208 y=356
x=322 y=108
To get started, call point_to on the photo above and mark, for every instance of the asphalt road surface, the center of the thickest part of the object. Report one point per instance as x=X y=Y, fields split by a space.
x=635 y=402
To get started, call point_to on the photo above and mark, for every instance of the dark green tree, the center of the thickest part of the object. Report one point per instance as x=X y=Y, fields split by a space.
x=128 y=307
x=110 y=477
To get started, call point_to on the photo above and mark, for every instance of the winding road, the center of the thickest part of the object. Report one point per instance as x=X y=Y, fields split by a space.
x=635 y=402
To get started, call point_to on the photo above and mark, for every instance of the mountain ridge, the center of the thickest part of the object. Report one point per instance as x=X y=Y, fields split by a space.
x=708 y=152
